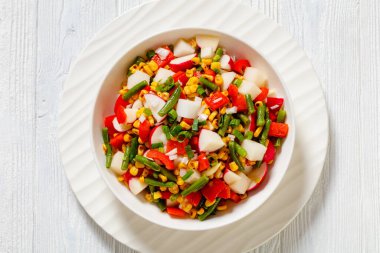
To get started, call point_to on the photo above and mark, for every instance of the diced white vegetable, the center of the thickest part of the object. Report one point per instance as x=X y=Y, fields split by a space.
x=119 y=127
x=182 y=48
x=211 y=170
x=247 y=87
x=137 y=104
x=228 y=77
x=158 y=135
x=117 y=160
x=256 y=76
x=172 y=152
x=162 y=53
x=242 y=185
x=136 y=186
x=230 y=177
x=188 y=109
x=232 y=137
x=210 y=141
x=136 y=78
x=142 y=118
x=154 y=103
x=203 y=117
x=162 y=75
x=225 y=62
x=206 y=52
x=272 y=93
x=131 y=115
x=194 y=177
x=207 y=41
x=173 y=157
x=182 y=172
x=231 y=110
x=255 y=150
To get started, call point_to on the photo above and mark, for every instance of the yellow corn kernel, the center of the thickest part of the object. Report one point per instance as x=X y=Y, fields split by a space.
x=208 y=77
x=127 y=138
x=187 y=90
x=120 y=179
x=142 y=64
x=157 y=195
x=115 y=134
x=181 y=166
x=183 y=187
x=222 y=208
x=174 y=190
x=266 y=143
x=225 y=93
x=214 y=123
x=163 y=178
x=215 y=65
x=233 y=166
x=140 y=141
x=140 y=150
x=201 y=211
x=209 y=203
x=257 y=132
x=223 y=110
x=139 y=165
x=145 y=172
x=123 y=147
x=153 y=65
x=229 y=130
x=242 y=160
x=207 y=61
x=221 y=153
x=136 y=124
x=239 y=77
x=196 y=60
x=176 y=172
x=140 y=112
x=153 y=84
x=225 y=140
x=148 y=70
x=241 y=128
x=179 y=199
x=193 y=88
x=258 y=103
x=151 y=120
x=134 y=171
x=270 y=162
x=122 y=92
x=193 y=164
x=184 y=125
x=244 y=196
x=104 y=148
x=133 y=68
x=212 y=115
x=135 y=131
x=163 y=95
x=187 y=208
x=148 y=197
x=141 y=179
x=189 y=73
x=250 y=163
x=218 y=174
x=163 y=188
x=180 y=181
x=193 y=213
x=192 y=80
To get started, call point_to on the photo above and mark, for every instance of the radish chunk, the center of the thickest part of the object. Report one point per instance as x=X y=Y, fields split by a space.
x=136 y=78
x=182 y=48
x=182 y=63
x=225 y=62
x=162 y=75
x=188 y=109
x=257 y=176
x=157 y=135
x=206 y=52
x=154 y=103
x=247 y=87
x=210 y=141
x=207 y=41
x=255 y=150
x=131 y=115
x=256 y=76
x=194 y=177
x=228 y=77
x=241 y=186
x=117 y=160
x=136 y=186
x=119 y=127
x=162 y=53
x=230 y=177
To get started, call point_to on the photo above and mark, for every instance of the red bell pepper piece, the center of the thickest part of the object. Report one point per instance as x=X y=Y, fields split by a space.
x=252 y=123
x=163 y=63
x=127 y=176
x=270 y=154
x=157 y=155
x=233 y=91
x=210 y=73
x=147 y=88
x=272 y=116
x=203 y=163
x=197 y=74
x=213 y=189
x=120 y=115
x=120 y=102
x=180 y=146
x=216 y=100
x=262 y=95
x=234 y=197
x=274 y=104
x=108 y=123
x=240 y=65
x=194 y=141
x=225 y=193
x=117 y=141
x=144 y=130
x=166 y=195
x=180 y=77
x=240 y=102
x=188 y=121
x=194 y=198
x=278 y=129
x=175 y=211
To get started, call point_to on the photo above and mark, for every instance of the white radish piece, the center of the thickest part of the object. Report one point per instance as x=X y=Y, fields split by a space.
x=162 y=53
x=136 y=78
x=211 y=170
x=206 y=52
x=188 y=109
x=162 y=75
x=154 y=103
x=136 y=186
x=131 y=115
x=255 y=150
x=137 y=104
x=230 y=177
x=119 y=127
x=247 y=87
x=117 y=160
x=158 y=135
x=210 y=141
x=256 y=76
x=257 y=176
x=194 y=177
x=182 y=48
x=182 y=63
x=241 y=186
x=228 y=77
x=207 y=41
x=225 y=62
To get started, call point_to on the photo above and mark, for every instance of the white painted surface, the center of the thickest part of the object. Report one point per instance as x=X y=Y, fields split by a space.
x=40 y=38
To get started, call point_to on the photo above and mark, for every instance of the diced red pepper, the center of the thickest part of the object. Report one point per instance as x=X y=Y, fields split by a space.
x=274 y=104
x=144 y=130
x=163 y=63
x=262 y=95
x=225 y=193
x=180 y=77
x=166 y=194
x=203 y=163
x=120 y=115
x=175 y=211
x=252 y=123
x=233 y=91
x=194 y=141
x=147 y=88
x=120 y=102
x=216 y=100
x=194 y=198
x=188 y=121
x=240 y=102
x=278 y=130
x=117 y=141
x=270 y=154
x=234 y=197
x=197 y=74
x=240 y=65
x=212 y=189
x=108 y=123
x=180 y=146
x=272 y=116
x=210 y=73
x=127 y=176
x=157 y=155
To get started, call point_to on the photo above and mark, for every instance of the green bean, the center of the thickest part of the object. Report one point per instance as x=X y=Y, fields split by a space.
x=201 y=203
x=148 y=112
x=106 y=138
x=153 y=182
x=155 y=175
x=250 y=105
x=281 y=116
x=212 y=86
x=209 y=211
x=196 y=186
x=135 y=89
x=171 y=102
x=235 y=158
x=134 y=147
x=225 y=123
x=127 y=154
x=150 y=54
x=173 y=114
x=264 y=134
x=248 y=135
x=166 y=86
x=176 y=129
x=138 y=60
x=106 y=141
x=237 y=82
x=244 y=119
x=187 y=175
x=195 y=126
x=240 y=150
x=238 y=135
x=278 y=143
x=168 y=174
x=261 y=115
x=161 y=204
x=183 y=135
x=201 y=91
x=174 y=197
x=235 y=122
x=150 y=164
x=166 y=131
x=189 y=151
x=157 y=145
x=218 y=55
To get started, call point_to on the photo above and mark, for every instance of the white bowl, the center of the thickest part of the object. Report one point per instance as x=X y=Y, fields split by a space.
x=103 y=107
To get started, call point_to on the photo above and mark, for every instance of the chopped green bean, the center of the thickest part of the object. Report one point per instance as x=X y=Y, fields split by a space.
x=248 y=135
x=127 y=154
x=195 y=126
x=250 y=105
x=218 y=55
x=106 y=138
x=150 y=54
x=235 y=158
x=261 y=115
x=168 y=174
x=173 y=114
x=264 y=133
x=175 y=130
x=150 y=164
x=183 y=135
x=244 y=119
x=134 y=147
x=201 y=91
x=240 y=150
x=153 y=182
x=212 y=86
x=188 y=174
x=167 y=85
x=278 y=142
x=235 y=122
x=148 y=112
x=209 y=211
x=174 y=197
x=166 y=131
x=157 y=145
x=189 y=151
x=237 y=82
x=108 y=147
x=226 y=118
x=196 y=186
x=138 y=60
x=281 y=116
x=161 y=204
x=135 y=89
x=171 y=102
x=238 y=135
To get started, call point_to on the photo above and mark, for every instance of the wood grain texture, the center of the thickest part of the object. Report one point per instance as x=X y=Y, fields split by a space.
x=41 y=38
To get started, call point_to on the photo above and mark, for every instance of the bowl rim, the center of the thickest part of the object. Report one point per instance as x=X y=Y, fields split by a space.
x=203 y=226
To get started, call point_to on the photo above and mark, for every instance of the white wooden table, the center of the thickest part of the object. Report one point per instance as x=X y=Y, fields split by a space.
x=39 y=40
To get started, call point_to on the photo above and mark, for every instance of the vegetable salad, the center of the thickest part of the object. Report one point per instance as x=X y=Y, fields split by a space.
x=193 y=128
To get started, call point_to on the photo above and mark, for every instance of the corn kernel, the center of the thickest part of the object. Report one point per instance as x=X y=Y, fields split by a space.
x=140 y=141
x=196 y=60
x=212 y=115
x=157 y=195
x=258 y=103
x=223 y=110
x=104 y=148
x=123 y=147
x=151 y=120
x=145 y=172
x=193 y=213
x=135 y=131
x=266 y=143
x=209 y=203
x=241 y=128
x=163 y=178
x=139 y=165
x=229 y=130
x=163 y=188
x=201 y=211
x=180 y=166
x=218 y=80
x=233 y=166
x=250 y=163
x=133 y=68
x=239 y=77
x=207 y=112
x=179 y=199
x=222 y=208
x=122 y=92
x=193 y=164
x=193 y=88
x=180 y=181
x=140 y=150
x=127 y=138
x=214 y=123
x=120 y=179
x=148 y=70
x=141 y=179
x=187 y=208
x=184 y=125
x=187 y=90
x=209 y=77
x=257 y=132
x=174 y=189
x=153 y=65
x=244 y=196
x=218 y=174
x=189 y=73
x=215 y=65
x=134 y=171
x=225 y=92
x=207 y=61
x=148 y=197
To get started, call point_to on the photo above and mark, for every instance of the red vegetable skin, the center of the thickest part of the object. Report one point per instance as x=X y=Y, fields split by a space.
x=144 y=130
x=234 y=197
x=117 y=141
x=188 y=121
x=120 y=102
x=252 y=123
x=233 y=91
x=203 y=162
x=120 y=115
x=165 y=195
x=127 y=176
x=239 y=66
x=180 y=77
x=213 y=189
x=180 y=146
x=225 y=193
x=194 y=142
x=272 y=116
x=274 y=104
x=163 y=63
x=157 y=155
x=216 y=100
x=174 y=211
x=262 y=95
x=210 y=73
x=240 y=102
x=108 y=123
x=270 y=154
x=278 y=130
x=194 y=198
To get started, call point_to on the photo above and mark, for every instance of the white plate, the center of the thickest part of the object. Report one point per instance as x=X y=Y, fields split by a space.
x=253 y=28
